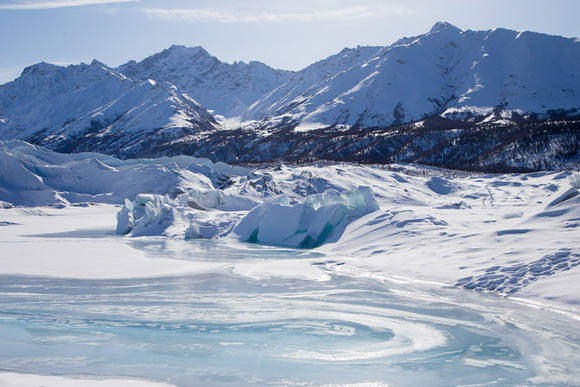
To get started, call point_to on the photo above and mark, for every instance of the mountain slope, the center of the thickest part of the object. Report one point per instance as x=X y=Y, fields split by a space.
x=306 y=82
x=93 y=107
x=226 y=89
x=444 y=72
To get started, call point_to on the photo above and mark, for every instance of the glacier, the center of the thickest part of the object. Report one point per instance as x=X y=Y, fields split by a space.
x=177 y=270
x=458 y=228
x=142 y=272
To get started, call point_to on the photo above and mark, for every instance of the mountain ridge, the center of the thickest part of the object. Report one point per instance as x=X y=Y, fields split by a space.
x=437 y=86
x=227 y=89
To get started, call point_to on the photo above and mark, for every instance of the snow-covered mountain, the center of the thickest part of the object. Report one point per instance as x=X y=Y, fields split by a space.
x=446 y=72
x=93 y=107
x=307 y=83
x=226 y=89
x=496 y=99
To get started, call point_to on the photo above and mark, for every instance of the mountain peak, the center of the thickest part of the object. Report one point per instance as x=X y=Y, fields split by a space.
x=97 y=63
x=41 y=68
x=175 y=49
x=173 y=53
x=442 y=26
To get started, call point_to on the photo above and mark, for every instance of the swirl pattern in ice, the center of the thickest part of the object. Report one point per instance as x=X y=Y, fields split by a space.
x=225 y=329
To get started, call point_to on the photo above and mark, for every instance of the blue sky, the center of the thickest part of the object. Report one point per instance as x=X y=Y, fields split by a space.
x=283 y=34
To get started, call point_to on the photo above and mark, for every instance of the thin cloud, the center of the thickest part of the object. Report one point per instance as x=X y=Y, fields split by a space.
x=226 y=15
x=51 y=4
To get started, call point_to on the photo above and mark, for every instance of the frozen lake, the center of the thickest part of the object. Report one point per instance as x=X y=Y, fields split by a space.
x=223 y=328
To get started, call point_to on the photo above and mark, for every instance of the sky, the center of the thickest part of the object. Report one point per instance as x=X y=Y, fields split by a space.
x=283 y=34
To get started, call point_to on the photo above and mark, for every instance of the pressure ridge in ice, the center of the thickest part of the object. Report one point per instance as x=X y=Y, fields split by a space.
x=309 y=223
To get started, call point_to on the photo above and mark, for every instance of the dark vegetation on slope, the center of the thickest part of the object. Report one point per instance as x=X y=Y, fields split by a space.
x=527 y=146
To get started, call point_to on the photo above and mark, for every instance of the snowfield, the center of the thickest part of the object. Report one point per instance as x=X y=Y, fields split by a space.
x=87 y=220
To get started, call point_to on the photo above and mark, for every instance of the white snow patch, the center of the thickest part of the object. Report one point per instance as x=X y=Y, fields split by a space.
x=76 y=242
x=11 y=379
x=308 y=126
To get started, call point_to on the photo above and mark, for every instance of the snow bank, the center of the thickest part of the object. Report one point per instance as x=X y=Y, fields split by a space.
x=310 y=223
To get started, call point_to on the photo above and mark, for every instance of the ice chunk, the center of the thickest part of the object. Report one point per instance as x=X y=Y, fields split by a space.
x=201 y=200
x=147 y=215
x=194 y=214
x=199 y=228
x=125 y=218
x=316 y=220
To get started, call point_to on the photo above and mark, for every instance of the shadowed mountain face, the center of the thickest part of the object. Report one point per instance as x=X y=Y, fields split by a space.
x=484 y=100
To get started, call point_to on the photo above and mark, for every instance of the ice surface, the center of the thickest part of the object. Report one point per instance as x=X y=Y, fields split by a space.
x=219 y=327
